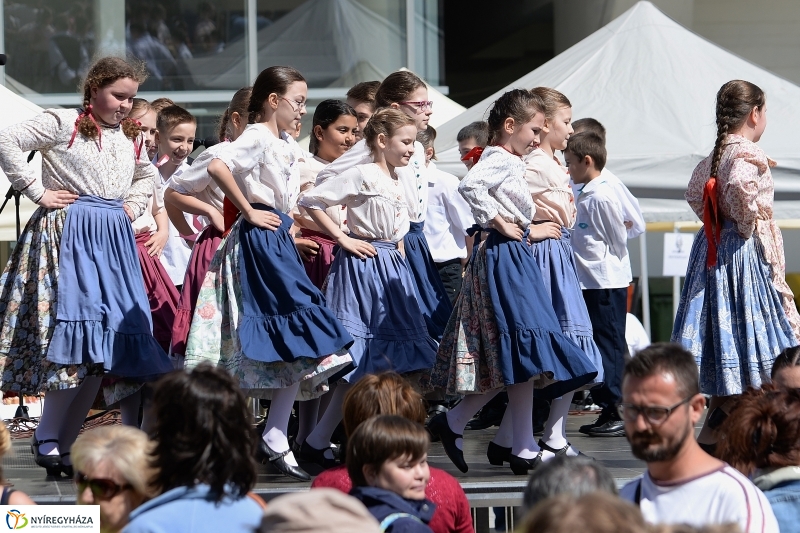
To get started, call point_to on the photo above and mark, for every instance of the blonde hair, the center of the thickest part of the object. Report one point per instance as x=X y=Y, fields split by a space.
x=125 y=448
x=385 y=121
x=552 y=99
x=5 y=440
x=597 y=512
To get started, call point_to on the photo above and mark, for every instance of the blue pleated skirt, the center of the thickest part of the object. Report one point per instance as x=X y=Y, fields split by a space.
x=730 y=316
x=431 y=294
x=375 y=300
x=556 y=263
x=103 y=315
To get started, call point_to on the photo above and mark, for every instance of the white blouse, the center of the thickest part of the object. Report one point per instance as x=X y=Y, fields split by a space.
x=549 y=185
x=146 y=222
x=497 y=185
x=195 y=180
x=413 y=176
x=375 y=202
x=265 y=167
x=108 y=167
x=309 y=168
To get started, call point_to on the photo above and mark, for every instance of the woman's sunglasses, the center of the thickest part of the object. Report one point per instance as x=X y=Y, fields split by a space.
x=102 y=489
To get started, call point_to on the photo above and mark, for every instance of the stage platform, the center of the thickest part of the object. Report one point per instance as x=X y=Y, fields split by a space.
x=485 y=485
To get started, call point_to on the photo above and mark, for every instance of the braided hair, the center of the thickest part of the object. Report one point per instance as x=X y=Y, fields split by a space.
x=519 y=104
x=735 y=100
x=104 y=72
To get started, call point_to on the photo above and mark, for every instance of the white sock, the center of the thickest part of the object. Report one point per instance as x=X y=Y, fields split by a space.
x=76 y=416
x=555 y=429
x=458 y=416
x=520 y=403
x=505 y=432
x=280 y=409
x=307 y=419
x=56 y=407
x=129 y=409
x=320 y=438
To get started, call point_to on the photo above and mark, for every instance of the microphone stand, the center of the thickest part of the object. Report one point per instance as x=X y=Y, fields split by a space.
x=22 y=409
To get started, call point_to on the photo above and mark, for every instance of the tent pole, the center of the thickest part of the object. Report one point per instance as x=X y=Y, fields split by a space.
x=251 y=13
x=644 y=283
x=676 y=288
x=411 y=52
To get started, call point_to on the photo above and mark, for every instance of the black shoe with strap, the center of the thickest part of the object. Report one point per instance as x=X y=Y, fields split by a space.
x=522 y=466
x=497 y=454
x=51 y=463
x=278 y=460
x=310 y=454
x=560 y=451
x=439 y=427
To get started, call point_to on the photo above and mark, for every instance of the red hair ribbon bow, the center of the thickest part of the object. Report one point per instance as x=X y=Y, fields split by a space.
x=474 y=155
x=712 y=219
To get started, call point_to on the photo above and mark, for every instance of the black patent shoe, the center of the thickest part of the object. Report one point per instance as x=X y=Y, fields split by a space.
x=439 y=427
x=67 y=470
x=277 y=459
x=497 y=454
x=310 y=454
x=51 y=463
x=560 y=451
x=521 y=466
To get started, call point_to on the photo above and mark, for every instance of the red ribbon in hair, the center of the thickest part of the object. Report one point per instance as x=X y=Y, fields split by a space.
x=87 y=113
x=712 y=219
x=474 y=155
x=230 y=213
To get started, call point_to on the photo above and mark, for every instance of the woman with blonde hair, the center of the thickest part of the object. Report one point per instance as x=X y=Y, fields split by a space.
x=9 y=496
x=112 y=471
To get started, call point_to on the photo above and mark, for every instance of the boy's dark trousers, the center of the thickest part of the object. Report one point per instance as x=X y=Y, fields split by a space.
x=607 y=309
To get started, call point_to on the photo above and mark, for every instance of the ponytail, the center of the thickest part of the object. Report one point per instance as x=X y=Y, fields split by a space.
x=239 y=103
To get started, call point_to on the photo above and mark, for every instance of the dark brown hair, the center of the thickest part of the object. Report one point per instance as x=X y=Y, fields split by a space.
x=553 y=100
x=387 y=393
x=271 y=80
x=762 y=430
x=364 y=92
x=519 y=104
x=396 y=88
x=598 y=512
x=426 y=138
x=172 y=116
x=203 y=433
x=383 y=438
x=735 y=100
x=666 y=358
x=478 y=130
x=326 y=113
x=103 y=73
x=238 y=104
x=385 y=121
x=788 y=358
x=591 y=125
x=591 y=144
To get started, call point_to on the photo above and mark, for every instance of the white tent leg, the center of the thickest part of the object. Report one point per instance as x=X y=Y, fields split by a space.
x=644 y=283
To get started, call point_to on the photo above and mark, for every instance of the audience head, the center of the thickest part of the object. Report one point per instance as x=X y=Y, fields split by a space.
x=426 y=138
x=317 y=511
x=387 y=393
x=590 y=125
x=786 y=368
x=234 y=120
x=563 y=474
x=361 y=97
x=333 y=130
x=585 y=155
x=406 y=91
x=598 y=512
x=661 y=402
x=203 y=433
x=762 y=430
x=472 y=139
x=686 y=528
x=558 y=117
x=280 y=92
x=390 y=452
x=516 y=121
x=112 y=471
x=391 y=133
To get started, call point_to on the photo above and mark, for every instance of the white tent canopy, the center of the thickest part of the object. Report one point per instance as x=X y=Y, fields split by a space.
x=15 y=109
x=652 y=83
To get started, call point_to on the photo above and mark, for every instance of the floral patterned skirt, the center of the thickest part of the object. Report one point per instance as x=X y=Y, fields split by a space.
x=214 y=334
x=731 y=316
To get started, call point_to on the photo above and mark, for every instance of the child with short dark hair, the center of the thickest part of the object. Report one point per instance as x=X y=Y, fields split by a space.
x=604 y=270
x=387 y=459
x=472 y=139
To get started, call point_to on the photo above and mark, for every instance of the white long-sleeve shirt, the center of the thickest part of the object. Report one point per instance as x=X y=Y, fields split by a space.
x=376 y=207
x=600 y=239
x=196 y=181
x=630 y=205
x=412 y=176
x=497 y=185
x=448 y=217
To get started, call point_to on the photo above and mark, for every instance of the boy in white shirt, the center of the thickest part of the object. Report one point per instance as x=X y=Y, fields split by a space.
x=448 y=217
x=604 y=270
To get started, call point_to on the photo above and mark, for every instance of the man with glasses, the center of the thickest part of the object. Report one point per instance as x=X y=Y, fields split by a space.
x=661 y=405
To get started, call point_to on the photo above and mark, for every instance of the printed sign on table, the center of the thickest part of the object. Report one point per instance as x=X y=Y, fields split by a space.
x=676 y=253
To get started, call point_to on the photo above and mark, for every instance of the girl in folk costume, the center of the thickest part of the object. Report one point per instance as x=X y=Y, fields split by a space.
x=406 y=92
x=548 y=183
x=736 y=312
x=370 y=287
x=73 y=302
x=504 y=332
x=333 y=132
x=258 y=314
x=194 y=192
